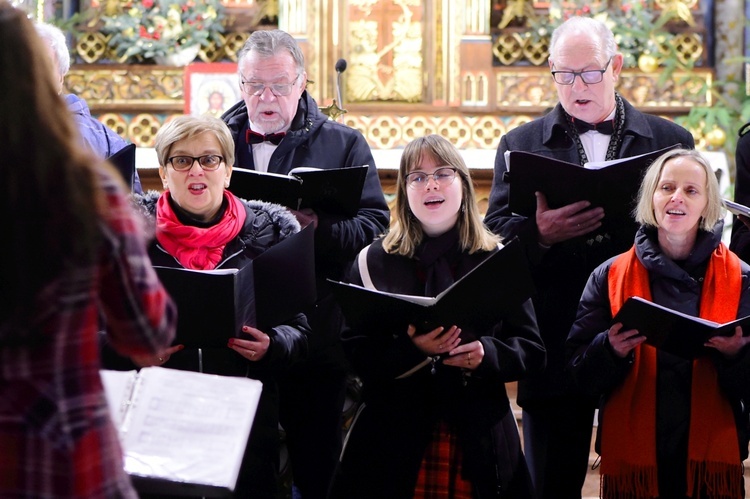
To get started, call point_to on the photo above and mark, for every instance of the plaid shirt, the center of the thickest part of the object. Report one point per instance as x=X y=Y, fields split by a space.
x=56 y=437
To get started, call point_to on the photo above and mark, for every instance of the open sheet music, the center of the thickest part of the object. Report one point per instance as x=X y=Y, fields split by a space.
x=182 y=432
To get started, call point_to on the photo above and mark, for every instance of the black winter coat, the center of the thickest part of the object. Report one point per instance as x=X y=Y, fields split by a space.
x=560 y=273
x=265 y=225
x=314 y=140
x=740 y=243
x=597 y=370
x=388 y=438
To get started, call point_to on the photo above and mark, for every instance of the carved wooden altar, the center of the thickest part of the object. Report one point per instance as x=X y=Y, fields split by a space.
x=437 y=66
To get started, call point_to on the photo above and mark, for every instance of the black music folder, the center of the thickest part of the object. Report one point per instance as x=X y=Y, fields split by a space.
x=213 y=305
x=612 y=185
x=672 y=331
x=124 y=162
x=478 y=300
x=182 y=433
x=336 y=190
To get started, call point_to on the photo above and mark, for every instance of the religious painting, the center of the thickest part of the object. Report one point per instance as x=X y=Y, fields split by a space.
x=211 y=88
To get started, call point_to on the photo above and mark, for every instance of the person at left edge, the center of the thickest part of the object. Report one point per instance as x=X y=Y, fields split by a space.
x=95 y=135
x=273 y=83
x=200 y=225
x=73 y=250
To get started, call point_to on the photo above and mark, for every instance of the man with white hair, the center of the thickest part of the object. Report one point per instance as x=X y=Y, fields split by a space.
x=96 y=136
x=591 y=122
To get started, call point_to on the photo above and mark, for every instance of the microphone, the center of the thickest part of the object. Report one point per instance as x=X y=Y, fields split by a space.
x=340 y=68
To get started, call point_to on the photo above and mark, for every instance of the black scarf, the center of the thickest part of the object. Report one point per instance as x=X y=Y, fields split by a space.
x=614 y=142
x=437 y=258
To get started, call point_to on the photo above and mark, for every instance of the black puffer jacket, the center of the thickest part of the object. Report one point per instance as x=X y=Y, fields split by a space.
x=265 y=225
x=598 y=370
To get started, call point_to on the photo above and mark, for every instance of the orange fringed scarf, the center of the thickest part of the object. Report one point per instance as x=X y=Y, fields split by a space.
x=629 y=468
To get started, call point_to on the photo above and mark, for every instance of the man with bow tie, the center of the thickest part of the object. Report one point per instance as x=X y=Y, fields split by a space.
x=277 y=127
x=591 y=122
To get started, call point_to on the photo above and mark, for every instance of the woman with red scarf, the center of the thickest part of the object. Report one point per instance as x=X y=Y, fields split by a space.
x=200 y=225
x=669 y=427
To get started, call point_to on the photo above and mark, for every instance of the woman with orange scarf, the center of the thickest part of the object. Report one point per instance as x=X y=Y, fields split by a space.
x=669 y=427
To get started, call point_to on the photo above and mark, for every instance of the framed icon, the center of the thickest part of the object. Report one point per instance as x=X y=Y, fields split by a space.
x=211 y=88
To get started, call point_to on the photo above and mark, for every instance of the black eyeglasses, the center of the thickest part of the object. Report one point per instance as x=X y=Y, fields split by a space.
x=277 y=89
x=442 y=177
x=589 y=77
x=208 y=162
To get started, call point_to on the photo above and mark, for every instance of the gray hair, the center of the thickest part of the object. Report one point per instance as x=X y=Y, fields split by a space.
x=268 y=43
x=55 y=38
x=644 y=210
x=584 y=25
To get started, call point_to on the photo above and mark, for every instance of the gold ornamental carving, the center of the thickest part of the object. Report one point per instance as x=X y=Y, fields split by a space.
x=525 y=88
x=509 y=48
x=390 y=71
x=517 y=9
x=681 y=91
x=105 y=86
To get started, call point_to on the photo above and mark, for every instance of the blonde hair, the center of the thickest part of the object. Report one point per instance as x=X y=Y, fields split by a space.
x=644 y=210
x=406 y=232
x=184 y=127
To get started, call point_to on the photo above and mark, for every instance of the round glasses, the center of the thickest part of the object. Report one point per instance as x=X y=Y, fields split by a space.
x=589 y=77
x=258 y=87
x=208 y=162
x=442 y=177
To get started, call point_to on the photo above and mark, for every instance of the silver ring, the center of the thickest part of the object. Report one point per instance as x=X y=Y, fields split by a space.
x=252 y=353
x=161 y=360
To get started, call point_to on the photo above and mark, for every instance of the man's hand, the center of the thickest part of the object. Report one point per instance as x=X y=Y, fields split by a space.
x=565 y=223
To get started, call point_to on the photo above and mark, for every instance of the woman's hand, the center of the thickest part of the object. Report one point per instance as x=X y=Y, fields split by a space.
x=623 y=342
x=467 y=356
x=436 y=342
x=254 y=349
x=730 y=346
x=306 y=216
x=155 y=359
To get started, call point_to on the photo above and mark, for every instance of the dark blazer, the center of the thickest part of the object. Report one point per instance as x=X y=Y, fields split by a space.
x=561 y=272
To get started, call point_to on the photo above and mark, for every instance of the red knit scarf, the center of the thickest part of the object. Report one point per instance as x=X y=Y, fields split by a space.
x=198 y=248
x=629 y=467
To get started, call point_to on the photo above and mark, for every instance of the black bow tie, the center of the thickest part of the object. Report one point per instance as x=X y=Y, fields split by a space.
x=257 y=138
x=605 y=127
